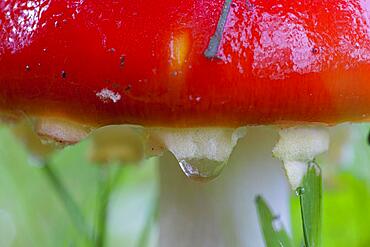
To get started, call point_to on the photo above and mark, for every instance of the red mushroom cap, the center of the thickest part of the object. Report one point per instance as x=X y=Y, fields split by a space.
x=186 y=63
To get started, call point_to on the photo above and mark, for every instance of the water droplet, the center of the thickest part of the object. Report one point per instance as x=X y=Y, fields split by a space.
x=299 y=191
x=27 y=68
x=63 y=74
x=201 y=169
x=45 y=49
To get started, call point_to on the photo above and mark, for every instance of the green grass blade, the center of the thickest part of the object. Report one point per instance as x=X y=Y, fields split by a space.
x=272 y=228
x=107 y=184
x=66 y=198
x=149 y=224
x=310 y=195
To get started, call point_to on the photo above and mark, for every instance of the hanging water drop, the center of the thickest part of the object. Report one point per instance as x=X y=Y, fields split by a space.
x=202 y=153
x=28 y=68
x=299 y=191
x=202 y=169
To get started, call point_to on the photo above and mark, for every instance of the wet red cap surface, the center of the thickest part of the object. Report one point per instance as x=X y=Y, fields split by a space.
x=186 y=63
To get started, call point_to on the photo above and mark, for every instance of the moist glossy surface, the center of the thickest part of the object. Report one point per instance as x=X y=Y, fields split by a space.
x=142 y=62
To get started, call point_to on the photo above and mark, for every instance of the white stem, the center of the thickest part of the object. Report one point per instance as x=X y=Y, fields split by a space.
x=223 y=212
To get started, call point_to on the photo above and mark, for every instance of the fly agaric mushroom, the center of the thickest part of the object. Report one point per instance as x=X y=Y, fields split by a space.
x=192 y=72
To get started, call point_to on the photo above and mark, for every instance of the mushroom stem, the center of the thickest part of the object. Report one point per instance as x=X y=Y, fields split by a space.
x=222 y=212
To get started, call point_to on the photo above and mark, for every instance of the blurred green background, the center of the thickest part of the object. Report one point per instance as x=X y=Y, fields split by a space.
x=31 y=213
